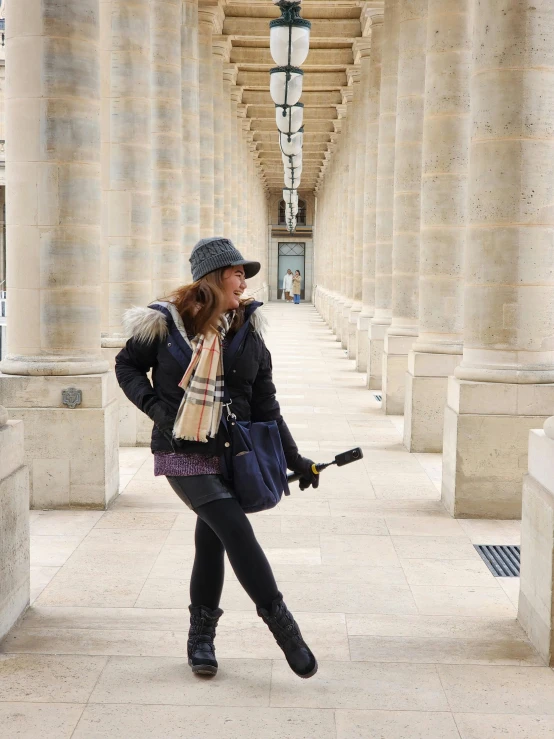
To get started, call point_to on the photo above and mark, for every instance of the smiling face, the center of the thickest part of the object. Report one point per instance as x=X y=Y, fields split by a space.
x=234 y=284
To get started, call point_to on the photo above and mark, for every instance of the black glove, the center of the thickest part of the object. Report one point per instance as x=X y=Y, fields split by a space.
x=303 y=467
x=162 y=417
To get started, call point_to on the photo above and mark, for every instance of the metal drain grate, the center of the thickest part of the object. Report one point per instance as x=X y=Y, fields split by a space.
x=501 y=559
x=378 y=397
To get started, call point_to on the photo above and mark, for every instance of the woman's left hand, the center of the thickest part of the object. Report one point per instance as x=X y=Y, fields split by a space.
x=303 y=466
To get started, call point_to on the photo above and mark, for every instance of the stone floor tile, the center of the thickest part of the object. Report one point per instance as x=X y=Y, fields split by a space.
x=294 y=555
x=169 y=681
x=510 y=585
x=435 y=627
x=423 y=525
x=123 y=519
x=342 y=597
x=102 y=541
x=64 y=523
x=492 y=532
x=335 y=525
x=52 y=551
x=92 y=588
x=195 y=722
x=434 y=547
x=167 y=592
x=339 y=685
x=376 y=551
x=495 y=726
x=174 y=561
x=428 y=650
x=361 y=574
x=44 y=720
x=406 y=491
x=406 y=509
x=464 y=601
x=395 y=725
x=517 y=690
x=295 y=506
x=458 y=572
x=40 y=577
x=42 y=678
x=143 y=619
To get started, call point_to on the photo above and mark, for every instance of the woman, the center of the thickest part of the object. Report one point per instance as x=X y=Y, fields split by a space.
x=296 y=286
x=185 y=403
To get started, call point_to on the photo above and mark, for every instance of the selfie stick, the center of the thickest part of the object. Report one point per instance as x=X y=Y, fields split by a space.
x=340 y=460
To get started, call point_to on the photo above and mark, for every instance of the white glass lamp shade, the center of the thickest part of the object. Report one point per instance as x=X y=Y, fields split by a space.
x=292 y=180
x=289 y=120
x=296 y=35
x=290 y=196
x=293 y=161
x=283 y=91
x=294 y=146
x=293 y=208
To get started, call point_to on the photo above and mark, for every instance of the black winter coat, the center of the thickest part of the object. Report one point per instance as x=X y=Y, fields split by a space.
x=155 y=344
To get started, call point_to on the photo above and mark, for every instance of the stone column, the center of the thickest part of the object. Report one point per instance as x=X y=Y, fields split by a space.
x=14 y=524
x=209 y=16
x=504 y=385
x=407 y=203
x=190 y=112
x=167 y=147
x=53 y=221
x=384 y=196
x=236 y=97
x=372 y=61
x=229 y=80
x=536 y=593
x=126 y=166
x=221 y=47
x=446 y=133
x=355 y=209
x=351 y=308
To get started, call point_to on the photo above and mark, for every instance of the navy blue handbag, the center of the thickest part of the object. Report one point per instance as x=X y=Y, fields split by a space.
x=255 y=462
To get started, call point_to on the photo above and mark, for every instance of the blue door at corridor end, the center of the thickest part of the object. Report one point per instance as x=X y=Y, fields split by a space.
x=291 y=256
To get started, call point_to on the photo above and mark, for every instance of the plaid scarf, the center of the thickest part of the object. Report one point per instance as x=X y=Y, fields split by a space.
x=199 y=414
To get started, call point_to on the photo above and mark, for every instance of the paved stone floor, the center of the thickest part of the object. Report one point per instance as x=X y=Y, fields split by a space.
x=415 y=638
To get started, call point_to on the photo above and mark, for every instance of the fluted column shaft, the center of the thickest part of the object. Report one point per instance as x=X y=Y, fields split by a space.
x=190 y=116
x=371 y=78
x=205 y=80
x=407 y=202
x=446 y=131
x=167 y=147
x=227 y=159
x=53 y=201
x=235 y=199
x=219 y=135
x=384 y=204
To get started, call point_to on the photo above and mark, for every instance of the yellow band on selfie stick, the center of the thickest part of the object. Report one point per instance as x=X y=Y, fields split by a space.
x=314 y=469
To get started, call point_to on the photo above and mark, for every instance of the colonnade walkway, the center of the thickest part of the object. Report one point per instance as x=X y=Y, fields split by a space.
x=415 y=638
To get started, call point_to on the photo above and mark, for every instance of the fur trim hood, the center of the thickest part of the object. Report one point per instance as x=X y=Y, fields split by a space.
x=149 y=324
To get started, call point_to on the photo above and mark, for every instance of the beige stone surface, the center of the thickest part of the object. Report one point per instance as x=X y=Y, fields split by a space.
x=388 y=592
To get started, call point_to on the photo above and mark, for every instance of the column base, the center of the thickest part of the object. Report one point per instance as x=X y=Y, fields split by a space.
x=72 y=453
x=14 y=526
x=395 y=366
x=376 y=343
x=536 y=594
x=362 y=342
x=345 y=324
x=486 y=427
x=426 y=388
x=352 y=333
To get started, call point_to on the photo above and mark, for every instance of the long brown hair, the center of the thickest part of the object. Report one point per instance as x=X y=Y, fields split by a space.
x=201 y=303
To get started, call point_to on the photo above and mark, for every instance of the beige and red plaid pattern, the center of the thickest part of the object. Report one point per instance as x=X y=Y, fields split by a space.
x=200 y=411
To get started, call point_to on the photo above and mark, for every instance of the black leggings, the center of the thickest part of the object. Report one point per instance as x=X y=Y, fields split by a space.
x=222 y=526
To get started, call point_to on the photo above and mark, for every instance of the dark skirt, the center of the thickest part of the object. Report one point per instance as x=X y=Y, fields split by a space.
x=196 y=490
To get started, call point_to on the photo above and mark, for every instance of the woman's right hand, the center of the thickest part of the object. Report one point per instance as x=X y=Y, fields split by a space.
x=162 y=417
x=303 y=467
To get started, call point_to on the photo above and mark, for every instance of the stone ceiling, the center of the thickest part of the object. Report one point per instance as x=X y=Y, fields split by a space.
x=337 y=25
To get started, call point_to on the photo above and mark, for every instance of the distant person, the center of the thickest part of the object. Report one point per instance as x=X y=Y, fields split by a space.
x=296 y=286
x=287 y=285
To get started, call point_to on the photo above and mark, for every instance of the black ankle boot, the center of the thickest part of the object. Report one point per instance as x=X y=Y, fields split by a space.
x=287 y=635
x=200 y=644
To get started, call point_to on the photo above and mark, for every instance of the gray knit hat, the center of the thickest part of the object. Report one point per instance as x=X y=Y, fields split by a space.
x=216 y=253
